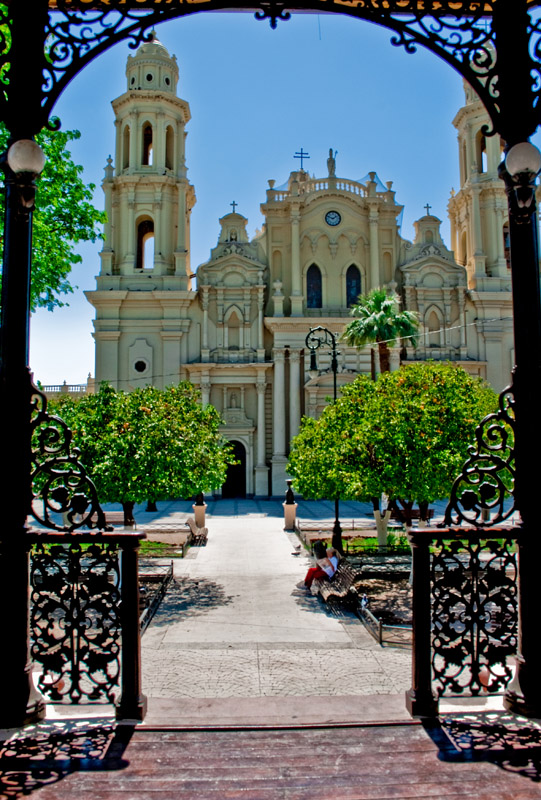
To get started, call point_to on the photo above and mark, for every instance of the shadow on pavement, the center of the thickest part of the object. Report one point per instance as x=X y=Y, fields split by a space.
x=49 y=752
x=512 y=743
x=190 y=597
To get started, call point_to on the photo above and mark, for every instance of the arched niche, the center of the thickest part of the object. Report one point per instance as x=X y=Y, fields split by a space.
x=433 y=324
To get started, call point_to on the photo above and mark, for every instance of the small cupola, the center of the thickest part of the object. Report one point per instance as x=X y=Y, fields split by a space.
x=152 y=68
x=233 y=229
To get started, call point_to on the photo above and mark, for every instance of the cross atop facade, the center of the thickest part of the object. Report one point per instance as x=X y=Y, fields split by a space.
x=234 y=204
x=302 y=155
x=428 y=209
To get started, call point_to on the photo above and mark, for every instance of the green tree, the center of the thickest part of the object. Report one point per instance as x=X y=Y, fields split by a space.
x=64 y=217
x=378 y=319
x=405 y=435
x=148 y=444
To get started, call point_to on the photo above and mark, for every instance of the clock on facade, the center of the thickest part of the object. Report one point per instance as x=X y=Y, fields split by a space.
x=333 y=218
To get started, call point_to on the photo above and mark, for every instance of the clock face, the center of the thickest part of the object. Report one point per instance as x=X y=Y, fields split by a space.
x=333 y=218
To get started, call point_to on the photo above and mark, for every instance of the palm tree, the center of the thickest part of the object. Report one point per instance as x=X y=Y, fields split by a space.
x=378 y=318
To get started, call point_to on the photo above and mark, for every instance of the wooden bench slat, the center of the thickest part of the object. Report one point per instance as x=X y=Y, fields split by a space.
x=341 y=586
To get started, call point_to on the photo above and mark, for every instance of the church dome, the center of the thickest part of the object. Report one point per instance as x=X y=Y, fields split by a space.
x=152 y=68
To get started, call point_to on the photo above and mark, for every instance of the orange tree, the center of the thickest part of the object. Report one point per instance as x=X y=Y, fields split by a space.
x=405 y=435
x=149 y=444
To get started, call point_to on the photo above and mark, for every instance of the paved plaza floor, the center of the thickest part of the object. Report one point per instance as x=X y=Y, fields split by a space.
x=235 y=625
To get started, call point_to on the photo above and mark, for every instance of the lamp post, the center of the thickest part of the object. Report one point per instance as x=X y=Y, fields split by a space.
x=519 y=172
x=322 y=337
x=22 y=163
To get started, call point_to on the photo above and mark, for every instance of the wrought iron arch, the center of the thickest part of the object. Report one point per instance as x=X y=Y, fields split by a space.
x=480 y=40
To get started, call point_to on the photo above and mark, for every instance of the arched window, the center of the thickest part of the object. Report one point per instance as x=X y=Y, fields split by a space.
x=506 y=245
x=314 y=297
x=126 y=148
x=145 y=244
x=353 y=285
x=481 y=151
x=169 y=148
x=147 y=145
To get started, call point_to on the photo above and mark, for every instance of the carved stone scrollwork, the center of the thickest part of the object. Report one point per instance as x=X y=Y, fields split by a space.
x=76 y=35
x=487 y=480
x=474 y=614
x=60 y=483
x=75 y=621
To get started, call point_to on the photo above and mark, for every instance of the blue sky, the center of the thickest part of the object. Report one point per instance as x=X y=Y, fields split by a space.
x=257 y=96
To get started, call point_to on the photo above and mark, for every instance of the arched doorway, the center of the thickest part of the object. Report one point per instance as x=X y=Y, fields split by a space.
x=235 y=483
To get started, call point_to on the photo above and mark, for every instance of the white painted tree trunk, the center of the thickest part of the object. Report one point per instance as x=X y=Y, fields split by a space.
x=381 y=526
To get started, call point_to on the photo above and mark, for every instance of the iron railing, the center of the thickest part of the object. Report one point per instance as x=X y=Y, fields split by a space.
x=84 y=619
x=465 y=599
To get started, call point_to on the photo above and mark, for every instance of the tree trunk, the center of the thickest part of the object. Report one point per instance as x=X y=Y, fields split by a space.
x=382 y=522
x=151 y=505
x=127 y=507
x=423 y=513
x=384 y=357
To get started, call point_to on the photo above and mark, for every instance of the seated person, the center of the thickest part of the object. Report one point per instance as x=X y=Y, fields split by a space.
x=326 y=564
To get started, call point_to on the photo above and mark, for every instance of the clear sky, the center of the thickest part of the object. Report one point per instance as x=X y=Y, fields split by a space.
x=257 y=96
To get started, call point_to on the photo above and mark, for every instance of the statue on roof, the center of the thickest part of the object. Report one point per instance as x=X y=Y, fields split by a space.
x=331 y=163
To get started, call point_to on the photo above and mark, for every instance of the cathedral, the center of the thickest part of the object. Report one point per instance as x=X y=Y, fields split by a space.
x=236 y=326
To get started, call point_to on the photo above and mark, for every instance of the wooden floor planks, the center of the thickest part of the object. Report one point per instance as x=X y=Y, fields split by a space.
x=387 y=762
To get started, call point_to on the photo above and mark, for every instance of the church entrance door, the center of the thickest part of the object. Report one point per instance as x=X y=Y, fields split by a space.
x=235 y=482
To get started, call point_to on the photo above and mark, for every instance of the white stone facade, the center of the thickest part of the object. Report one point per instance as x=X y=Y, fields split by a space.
x=237 y=328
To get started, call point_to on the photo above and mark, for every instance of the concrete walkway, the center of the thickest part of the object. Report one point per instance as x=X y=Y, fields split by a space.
x=234 y=624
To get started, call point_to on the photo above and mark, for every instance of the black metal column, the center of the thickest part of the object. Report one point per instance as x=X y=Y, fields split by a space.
x=19 y=703
x=518 y=123
x=420 y=699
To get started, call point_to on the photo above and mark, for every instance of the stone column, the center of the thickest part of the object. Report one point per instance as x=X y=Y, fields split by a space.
x=180 y=250
x=296 y=283
x=477 y=243
x=374 y=247
x=261 y=470
x=134 y=140
x=278 y=424
x=294 y=393
x=500 y=253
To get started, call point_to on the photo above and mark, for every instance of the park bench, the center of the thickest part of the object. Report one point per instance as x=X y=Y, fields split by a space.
x=342 y=586
x=171 y=533
x=199 y=535
x=115 y=518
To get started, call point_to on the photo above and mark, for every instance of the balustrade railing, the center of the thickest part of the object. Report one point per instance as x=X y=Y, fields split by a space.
x=84 y=619
x=465 y=598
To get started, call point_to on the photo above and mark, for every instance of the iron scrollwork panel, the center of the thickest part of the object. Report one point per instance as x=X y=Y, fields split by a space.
x=461 y=33
x=75 y=621
x=474 y=615
x=61 y=486
x=482 y=495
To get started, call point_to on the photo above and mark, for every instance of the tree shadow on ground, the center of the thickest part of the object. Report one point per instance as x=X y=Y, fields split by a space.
x=47 y=753
x=511 y=743
x=190 y=597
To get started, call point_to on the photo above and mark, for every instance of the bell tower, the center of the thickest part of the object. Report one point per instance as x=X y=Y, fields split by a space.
x=478 y=211
x=145 y=280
